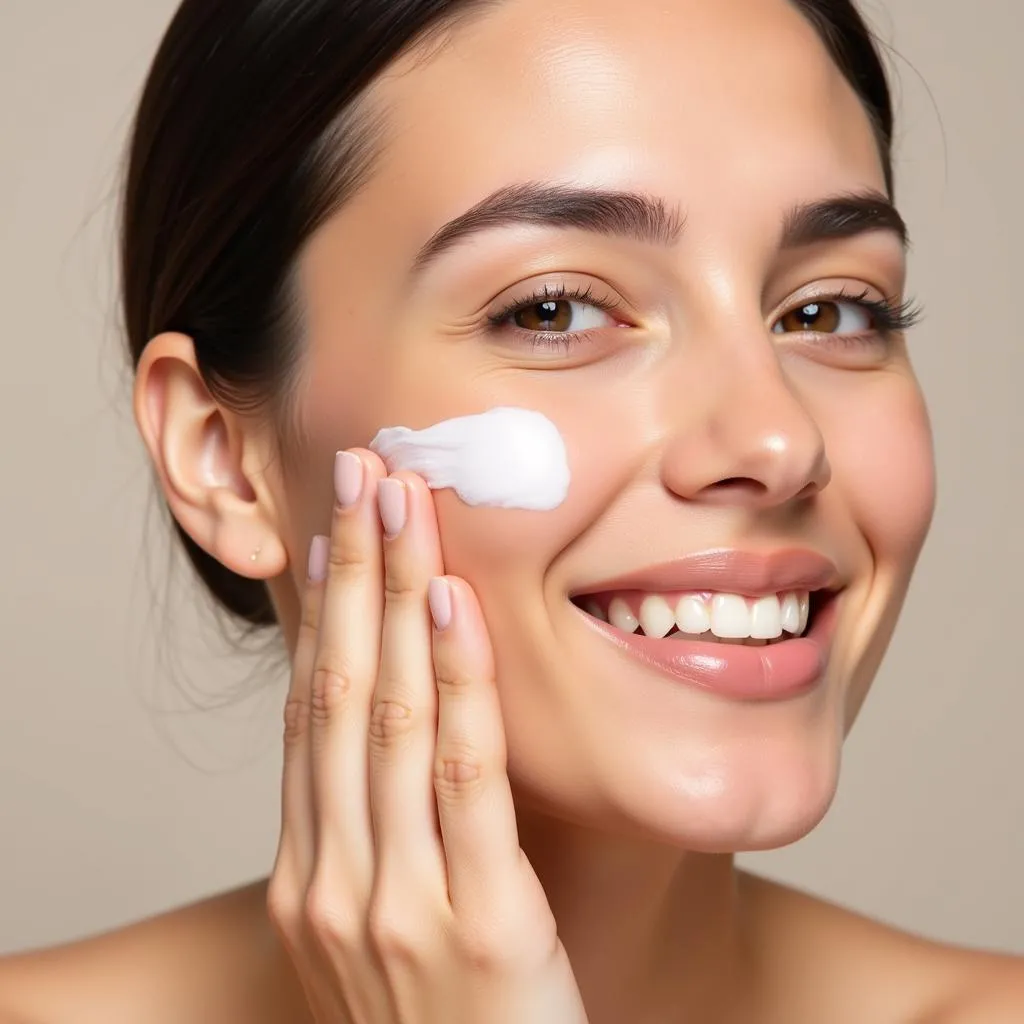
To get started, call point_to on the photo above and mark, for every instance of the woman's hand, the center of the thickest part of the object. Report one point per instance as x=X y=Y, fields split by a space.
x=400 y=889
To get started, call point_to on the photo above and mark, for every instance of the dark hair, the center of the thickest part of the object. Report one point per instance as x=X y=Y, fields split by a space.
x=248 y=136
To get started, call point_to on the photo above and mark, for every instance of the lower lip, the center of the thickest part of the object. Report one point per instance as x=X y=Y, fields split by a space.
x=773 y=672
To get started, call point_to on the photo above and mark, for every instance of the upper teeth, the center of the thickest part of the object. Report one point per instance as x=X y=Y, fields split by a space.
x=725 y=616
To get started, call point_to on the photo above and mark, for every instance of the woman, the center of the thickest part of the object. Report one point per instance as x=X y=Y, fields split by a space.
x=533 y=713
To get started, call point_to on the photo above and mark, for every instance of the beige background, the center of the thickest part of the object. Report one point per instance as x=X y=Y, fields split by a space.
x=119 y=799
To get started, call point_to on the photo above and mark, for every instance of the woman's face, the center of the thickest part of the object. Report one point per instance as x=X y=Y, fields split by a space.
x=697 y=414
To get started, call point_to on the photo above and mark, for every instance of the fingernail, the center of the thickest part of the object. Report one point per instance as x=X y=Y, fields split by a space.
x=348 y=478
x=439 y=597
x=318 y=551
x=392 y=503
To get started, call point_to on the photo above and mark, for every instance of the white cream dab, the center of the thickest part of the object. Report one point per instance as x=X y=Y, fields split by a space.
x=505 y=457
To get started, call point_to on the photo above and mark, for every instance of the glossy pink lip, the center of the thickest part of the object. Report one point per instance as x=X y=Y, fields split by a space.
x=777 y=671
x=781 y=670
x=733 y=572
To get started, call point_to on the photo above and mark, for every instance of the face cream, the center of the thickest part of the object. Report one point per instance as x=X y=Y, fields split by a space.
x=505 y=457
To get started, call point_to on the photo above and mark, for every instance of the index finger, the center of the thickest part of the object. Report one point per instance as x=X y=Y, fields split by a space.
x=345 y=669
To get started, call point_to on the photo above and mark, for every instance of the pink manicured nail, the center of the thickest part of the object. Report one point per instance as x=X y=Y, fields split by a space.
x=439 y=597
x=318 y=552
x=392 y=503
x=348 y=478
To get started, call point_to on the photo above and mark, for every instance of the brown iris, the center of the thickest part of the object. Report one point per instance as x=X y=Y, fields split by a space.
x=550 y=315
x=813 y=316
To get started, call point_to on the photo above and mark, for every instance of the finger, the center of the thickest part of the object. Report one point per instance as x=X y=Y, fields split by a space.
x=344 y=671
x=403 y=720
x=474 y=799
x=295 y=848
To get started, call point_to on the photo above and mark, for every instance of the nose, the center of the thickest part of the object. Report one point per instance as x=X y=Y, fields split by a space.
x=743 y=436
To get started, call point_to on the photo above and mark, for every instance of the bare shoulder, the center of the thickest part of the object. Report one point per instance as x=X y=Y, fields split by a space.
x=991 y=991
x=872 y=972
x=216 y=960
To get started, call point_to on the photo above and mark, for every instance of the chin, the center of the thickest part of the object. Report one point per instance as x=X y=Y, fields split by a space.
x=745 y=821
x=748 y=792
x=758 y=797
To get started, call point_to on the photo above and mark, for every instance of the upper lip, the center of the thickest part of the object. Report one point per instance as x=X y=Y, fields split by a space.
x=752 y=574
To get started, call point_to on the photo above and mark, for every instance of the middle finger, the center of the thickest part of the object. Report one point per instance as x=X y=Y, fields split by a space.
x=403 y=729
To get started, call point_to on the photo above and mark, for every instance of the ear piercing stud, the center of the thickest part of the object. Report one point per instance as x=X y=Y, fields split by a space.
x=255 y=555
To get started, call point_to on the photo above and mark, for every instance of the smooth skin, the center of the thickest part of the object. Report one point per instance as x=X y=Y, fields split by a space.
x=400 y=894
x=690 y=424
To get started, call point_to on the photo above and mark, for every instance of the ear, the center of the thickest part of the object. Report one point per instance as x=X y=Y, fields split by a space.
x=208 y=460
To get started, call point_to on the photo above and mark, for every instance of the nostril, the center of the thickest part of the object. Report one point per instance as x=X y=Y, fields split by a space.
x=734 y=487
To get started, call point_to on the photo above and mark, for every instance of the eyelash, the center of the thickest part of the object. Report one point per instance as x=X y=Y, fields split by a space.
x=889 y=317
x=553 y=339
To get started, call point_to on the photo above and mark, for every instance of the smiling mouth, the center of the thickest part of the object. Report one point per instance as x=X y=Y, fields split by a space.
x=711 y=617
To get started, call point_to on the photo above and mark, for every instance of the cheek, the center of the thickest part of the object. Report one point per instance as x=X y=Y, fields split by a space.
x=502 y=552
x=884 y=459
x=884 y=465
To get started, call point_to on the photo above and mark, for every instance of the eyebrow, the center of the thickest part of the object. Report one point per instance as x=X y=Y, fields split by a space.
x=600 y=211
x=649 y=219
x=842 y=216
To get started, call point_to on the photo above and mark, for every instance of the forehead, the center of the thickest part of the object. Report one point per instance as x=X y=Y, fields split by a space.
x=679 y=94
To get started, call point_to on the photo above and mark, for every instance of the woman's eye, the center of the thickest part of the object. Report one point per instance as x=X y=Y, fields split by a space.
x=826 y=317
x=562 y=316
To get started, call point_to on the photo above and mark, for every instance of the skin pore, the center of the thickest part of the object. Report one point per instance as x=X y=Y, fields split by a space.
x=689 y=422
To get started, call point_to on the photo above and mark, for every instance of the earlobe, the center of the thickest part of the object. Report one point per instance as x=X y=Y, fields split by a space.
x=197 y=449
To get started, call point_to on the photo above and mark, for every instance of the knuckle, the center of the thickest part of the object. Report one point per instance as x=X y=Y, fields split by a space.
x=296 y=720
x=326 y=919
x=330 y=690
x=452 y=676
x=393 y=938
x=390 y=722
x=507 y=943
x=400 y=587
x=458 y=775
x=283 y=905
x=347 y=554
x=483 y=952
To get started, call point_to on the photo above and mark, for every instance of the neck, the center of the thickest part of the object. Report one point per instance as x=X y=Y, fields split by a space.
x=653 y=933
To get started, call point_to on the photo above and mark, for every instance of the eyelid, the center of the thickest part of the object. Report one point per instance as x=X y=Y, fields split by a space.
x=836 y=289
x=890 y=316
x=547 y=292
